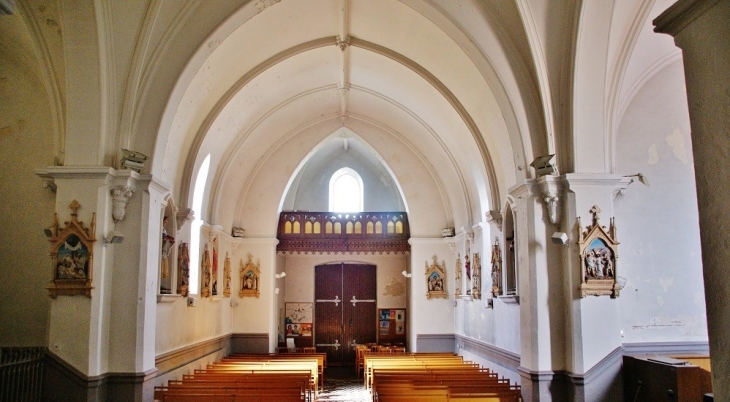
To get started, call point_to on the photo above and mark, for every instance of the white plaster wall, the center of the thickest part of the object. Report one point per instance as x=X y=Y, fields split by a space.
x=256 y=314
x=658 y=225
x=380 y=192
x=429 y=316
x=474 y=319
x=179 y=325
x=26 y=144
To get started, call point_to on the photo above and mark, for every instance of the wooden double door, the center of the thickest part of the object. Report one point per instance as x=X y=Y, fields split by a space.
x=345 y=310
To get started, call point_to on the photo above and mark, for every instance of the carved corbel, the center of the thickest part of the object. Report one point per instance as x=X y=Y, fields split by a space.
x=183 y=216
x=550 y=192
x=552 y=202
x=494 y=217
x=48 y=180
x=120 y=198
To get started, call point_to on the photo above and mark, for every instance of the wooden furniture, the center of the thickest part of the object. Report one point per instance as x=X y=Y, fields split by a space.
x=251 y=378
x=433 y=377
x=663 y=378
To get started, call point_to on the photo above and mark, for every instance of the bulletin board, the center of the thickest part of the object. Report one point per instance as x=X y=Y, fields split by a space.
x=391 y=326
x=298 y=323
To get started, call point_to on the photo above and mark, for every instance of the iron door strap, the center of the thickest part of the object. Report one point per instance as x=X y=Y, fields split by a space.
x=336 y=345
x=336 y=300
x=354 y=301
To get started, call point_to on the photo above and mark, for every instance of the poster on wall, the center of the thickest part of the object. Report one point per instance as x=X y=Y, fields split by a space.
x=400 y=322
x=384 y=327
x=298 y=319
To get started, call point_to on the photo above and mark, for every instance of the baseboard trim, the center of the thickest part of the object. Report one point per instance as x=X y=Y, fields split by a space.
x=250 y=343
x=502 y=357
x=666 y=348
x=611 y=360
x=435 y=343
x=177 y=358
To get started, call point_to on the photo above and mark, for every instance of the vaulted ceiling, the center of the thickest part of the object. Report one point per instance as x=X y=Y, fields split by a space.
x=454 y=98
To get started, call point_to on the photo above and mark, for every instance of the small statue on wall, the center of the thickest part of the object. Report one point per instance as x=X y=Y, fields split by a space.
x=457 y=276
x=214 y=280
x=167 y=242
x=227 y=276
x=250 y=274
x=205 y=268
x=496 y=269
x=476 y=278
x=183 y=266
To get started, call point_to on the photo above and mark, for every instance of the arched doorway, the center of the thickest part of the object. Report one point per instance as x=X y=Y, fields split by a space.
x=345 y=310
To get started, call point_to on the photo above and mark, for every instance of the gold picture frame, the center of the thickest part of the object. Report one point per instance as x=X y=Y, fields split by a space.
x=436 y=280
x=598 y=249
x=250 y=278
x=72 y=255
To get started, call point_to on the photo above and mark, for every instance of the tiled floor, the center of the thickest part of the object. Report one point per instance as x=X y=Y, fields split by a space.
x=342 y=386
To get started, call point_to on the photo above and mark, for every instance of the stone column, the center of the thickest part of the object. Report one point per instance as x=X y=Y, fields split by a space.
x=539 y=289
x=113 y=330
x=593 y=340
x=702 y=30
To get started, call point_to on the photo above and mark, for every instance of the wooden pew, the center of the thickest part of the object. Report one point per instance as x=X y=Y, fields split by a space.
x=435 y=378
x=274 y=386
x=321 y=359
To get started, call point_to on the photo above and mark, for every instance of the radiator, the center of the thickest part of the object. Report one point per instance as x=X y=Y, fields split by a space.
x=21 y=374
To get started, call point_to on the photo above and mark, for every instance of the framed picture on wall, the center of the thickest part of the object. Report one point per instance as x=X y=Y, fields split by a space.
x=298 y=319
x=72 y=255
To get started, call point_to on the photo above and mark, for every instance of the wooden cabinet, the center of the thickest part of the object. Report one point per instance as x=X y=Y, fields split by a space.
x=659 y=378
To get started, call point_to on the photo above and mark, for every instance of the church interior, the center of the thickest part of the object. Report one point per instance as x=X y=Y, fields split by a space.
x=531 y=185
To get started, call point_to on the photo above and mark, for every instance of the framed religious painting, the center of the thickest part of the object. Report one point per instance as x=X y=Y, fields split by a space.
x=250 y=273
x=496 y=269
x=72 y=255
x=598 y=254
x=436 y=280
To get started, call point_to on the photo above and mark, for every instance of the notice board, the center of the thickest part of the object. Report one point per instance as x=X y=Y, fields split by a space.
x=391 y=326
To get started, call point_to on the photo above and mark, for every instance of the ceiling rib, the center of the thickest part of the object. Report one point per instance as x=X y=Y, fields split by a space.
x=343 y=42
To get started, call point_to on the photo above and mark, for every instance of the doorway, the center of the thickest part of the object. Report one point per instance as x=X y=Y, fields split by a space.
x=345 y=310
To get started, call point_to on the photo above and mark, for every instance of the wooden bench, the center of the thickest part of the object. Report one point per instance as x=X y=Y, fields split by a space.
x=320 y=357
x=433 y=378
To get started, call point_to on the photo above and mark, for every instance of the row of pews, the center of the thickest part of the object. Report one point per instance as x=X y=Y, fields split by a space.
x=295 y=377
x=433 y=377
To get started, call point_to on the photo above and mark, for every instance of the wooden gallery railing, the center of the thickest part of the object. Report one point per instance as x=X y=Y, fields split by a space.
x=325 y=232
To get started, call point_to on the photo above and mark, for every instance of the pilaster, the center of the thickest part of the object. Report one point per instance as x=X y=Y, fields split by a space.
x=702 y=30
x=429 y=315
x=593 y=321
x=77 y=323
x=93 y=334
x=539 y=283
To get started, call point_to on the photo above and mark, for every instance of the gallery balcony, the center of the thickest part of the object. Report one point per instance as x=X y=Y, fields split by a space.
x=329 y=232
